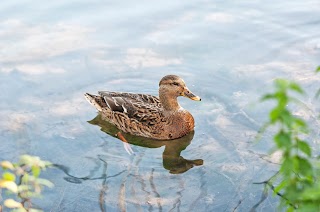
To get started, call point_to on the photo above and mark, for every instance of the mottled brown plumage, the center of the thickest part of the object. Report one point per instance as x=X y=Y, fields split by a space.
x=146 y=115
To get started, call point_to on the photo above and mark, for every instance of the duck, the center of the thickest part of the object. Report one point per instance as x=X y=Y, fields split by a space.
x=156 y=117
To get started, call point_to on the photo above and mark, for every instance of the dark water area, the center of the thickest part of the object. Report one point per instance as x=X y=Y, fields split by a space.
x=227 y=52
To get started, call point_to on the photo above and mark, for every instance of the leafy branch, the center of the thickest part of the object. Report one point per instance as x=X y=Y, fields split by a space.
x=297 y=179
x=22 y=179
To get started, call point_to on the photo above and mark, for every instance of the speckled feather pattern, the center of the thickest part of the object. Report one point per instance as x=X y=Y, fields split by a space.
x=142 y=114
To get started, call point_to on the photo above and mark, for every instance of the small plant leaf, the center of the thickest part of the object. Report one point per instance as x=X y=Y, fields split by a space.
x=8 y=176
x=312 y=206
x=7 y=165
x=283 y=184
x=318 y=69
x=23 y=188
x=45 y=182
x=26 y=159
x=290 y=209
x=287 y=118
x=11 y=186
x=287 y=166
x=300 y=125
x=305 y=167
x=304 y=147
x=268 y=97
x=274 y=114
x=281 y=84
x=36 y=171
x=10 y=203
x=282 y=139
x=311 y=193
x=295 y=87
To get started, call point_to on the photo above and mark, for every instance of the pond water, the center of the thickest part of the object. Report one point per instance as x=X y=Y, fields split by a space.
x=227 y=52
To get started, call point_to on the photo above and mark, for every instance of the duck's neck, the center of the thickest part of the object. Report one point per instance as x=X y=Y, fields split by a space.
x=169 y=102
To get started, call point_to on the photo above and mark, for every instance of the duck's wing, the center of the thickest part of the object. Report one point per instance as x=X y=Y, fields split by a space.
x=143 y=98
x=141 y=107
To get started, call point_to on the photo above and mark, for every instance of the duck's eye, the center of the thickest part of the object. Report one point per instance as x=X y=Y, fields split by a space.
x=175 y=83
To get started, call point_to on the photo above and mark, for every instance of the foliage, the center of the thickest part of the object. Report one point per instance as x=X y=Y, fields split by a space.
x=318 y=92
x=297 y=179
x=22 y=181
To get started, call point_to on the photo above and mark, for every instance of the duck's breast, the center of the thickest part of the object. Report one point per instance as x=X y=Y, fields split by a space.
x=180 y=124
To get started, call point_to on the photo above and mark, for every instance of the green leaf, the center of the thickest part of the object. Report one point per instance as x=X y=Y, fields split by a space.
x=287 y=118
x=283 y=100
x=45 y=182
x=290 y=209
x=300 y=125
x=283 y=139
x=309 y=206
x=275 y=114
x=8 y=176
x=287 y=166
x=281 y=84
x=24 y=188
x=304 y=147
x=282 y=185
x=304 y=166
x=318 y=69
x=268 y=97
x=36 y=171
x=25 y=178
x=312 y=193
x=26 y=159
x=48 y=164
x=295 y=87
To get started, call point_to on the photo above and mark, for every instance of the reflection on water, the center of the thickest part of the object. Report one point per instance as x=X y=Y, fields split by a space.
x=91 y=177
x=172 y=159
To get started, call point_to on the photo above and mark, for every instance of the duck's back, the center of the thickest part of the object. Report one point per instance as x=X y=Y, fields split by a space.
x=132 y=113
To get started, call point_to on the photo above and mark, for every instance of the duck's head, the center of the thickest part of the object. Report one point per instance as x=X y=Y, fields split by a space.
x=173 y=86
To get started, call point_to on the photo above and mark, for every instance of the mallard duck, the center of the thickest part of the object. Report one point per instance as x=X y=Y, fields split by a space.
x=145 y=115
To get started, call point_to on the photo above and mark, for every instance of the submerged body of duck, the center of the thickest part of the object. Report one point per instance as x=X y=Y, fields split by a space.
x=146 y=115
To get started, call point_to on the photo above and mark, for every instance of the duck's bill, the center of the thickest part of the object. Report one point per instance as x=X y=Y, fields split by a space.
x=190 y=95
x=195 y=98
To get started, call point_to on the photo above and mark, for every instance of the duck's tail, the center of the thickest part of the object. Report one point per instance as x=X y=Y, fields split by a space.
x=95 y=101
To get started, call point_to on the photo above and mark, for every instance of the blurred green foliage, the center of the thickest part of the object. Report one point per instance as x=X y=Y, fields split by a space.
x=297 y=181
x=22 y=182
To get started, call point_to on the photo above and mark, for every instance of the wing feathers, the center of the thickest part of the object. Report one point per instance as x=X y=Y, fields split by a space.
x=142 y=107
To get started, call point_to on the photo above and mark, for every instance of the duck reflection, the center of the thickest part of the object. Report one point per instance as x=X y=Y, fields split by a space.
x=171 y=156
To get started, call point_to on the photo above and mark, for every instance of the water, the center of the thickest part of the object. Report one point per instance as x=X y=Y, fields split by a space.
x=227 y=52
